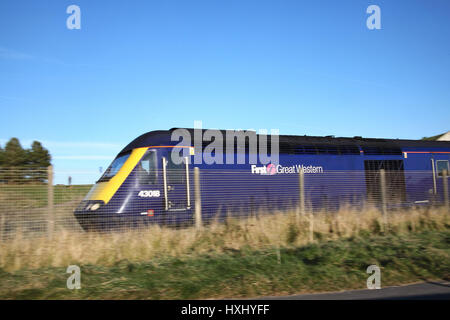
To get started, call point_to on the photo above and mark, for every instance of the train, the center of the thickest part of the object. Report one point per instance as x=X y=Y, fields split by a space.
x=144 y=185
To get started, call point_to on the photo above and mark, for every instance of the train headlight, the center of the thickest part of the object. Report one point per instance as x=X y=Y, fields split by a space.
x=95 y=206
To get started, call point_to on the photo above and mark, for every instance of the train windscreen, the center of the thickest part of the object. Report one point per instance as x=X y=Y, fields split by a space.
x=114 y=167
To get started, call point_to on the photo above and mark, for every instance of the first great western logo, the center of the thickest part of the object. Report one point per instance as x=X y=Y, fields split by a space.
x=272 y=169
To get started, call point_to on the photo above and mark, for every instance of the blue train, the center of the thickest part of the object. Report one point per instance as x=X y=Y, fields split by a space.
x=143 y=185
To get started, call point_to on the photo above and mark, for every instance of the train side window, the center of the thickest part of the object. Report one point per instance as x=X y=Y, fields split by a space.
x=148 y=168
x=442 y=165
x=175 y=172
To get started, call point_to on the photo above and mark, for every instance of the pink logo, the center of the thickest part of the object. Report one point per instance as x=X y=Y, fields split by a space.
x=271 y=169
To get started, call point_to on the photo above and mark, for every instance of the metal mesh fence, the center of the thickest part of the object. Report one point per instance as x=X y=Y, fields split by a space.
x=29 y=205
x=186 y=213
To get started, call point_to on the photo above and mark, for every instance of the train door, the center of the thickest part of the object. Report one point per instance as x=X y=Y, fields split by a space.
x=149 y=183
x=177 y=193
x=438 y=176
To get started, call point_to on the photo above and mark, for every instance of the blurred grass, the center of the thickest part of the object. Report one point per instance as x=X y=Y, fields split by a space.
x=280 y=229
x=246 y=272
x=261 y=255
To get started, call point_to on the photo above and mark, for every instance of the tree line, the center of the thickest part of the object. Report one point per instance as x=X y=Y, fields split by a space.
x=19 y=165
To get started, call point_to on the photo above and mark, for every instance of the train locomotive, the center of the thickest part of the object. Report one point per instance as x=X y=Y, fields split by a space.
x=143 y=185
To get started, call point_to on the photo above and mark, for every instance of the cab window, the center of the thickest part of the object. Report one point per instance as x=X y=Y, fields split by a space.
x=148 y=168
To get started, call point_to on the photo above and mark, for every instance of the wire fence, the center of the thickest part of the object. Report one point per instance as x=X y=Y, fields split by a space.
x=30 y=204
x=42 y=224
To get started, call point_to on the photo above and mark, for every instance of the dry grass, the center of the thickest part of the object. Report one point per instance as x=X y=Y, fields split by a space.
x=279 y=230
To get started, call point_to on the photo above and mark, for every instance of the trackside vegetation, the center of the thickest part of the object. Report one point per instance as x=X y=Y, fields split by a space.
x=259 y=256
x=327 y=266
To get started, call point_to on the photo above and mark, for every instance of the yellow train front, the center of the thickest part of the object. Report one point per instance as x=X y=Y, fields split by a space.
x=139 y=186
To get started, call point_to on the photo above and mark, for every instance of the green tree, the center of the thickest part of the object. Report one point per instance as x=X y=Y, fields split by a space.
x=2 y=173
x=18 y=165
x=38 y=156
x=14 y=157
x=1 y=156
x=38 y=159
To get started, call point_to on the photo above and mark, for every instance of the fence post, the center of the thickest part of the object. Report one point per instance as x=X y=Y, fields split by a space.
x=2 y=226
x=51 y=213
x=383 y=196
x=445 y=187
x=301 y=182
x=198 y=200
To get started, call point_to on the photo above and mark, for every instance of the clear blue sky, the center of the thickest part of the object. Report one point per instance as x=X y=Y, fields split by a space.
x=303 y=67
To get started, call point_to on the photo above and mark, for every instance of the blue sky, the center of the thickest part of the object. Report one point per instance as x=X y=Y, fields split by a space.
x=303 y=67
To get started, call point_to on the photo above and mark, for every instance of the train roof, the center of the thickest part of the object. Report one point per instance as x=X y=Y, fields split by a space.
x=304 y=144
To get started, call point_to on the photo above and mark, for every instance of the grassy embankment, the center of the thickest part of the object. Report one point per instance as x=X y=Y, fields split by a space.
x=35 y=196
x=259 y=256
x=23 y=208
